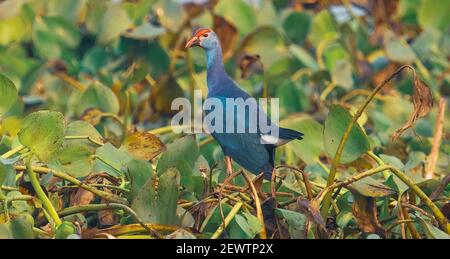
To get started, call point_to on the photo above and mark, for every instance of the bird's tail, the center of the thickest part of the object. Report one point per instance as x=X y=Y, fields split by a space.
x=288 y=134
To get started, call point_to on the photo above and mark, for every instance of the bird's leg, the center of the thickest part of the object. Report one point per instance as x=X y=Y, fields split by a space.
x=229 y=165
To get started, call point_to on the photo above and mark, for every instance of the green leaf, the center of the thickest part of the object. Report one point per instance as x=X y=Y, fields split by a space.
x=323 y=28
x=145 y=31
x=82 y=129
x=239 y=13
x=22 y=226
x=8 y=94
x=172 y=158
x=111 y=160
x=115 y=21
x=99 y=97
x=245 y=226
x=304 y=57
x=138 y=172
x=335 y=125
x=434 y=14
x=397 y=50
x=342 y=74
x=297 y=26
x=296 y=222
x=311 y=146
x=76 y=160
x=6 y=231
x=43 y=133
x=54 y=35
x=160 y=206
x=433 y=232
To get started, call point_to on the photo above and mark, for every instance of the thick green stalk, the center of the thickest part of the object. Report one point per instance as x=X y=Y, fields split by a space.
x=228 y=219
x=46 y=203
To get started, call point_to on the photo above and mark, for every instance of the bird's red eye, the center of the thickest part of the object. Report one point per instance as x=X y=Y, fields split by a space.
x=205 y=35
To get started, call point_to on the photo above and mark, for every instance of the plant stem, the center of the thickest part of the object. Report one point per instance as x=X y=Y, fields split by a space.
x=13 y=152
x=43 y=170
x=423 y=197
x=46 y=203
x=96 y=142
x=228 y=219
x=259 y=213
x=97 y=207
x=380 y=162
x=340 y=149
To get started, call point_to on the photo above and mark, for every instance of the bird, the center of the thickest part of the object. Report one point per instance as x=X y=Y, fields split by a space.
x=254 y=151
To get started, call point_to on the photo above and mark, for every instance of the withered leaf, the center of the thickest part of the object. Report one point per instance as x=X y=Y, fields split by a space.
x=228 y=35
x=311 y=211
x=143 y=145
x=250 y=64
x=365 y=212
x=423 y=103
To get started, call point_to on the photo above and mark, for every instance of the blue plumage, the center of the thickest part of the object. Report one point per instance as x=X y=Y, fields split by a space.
x=247 y=149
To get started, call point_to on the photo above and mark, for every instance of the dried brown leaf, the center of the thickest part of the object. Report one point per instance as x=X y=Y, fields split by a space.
x=311 y=211
x=250 y=64
x=365 y=212
x=228 y=35
x=423 y=103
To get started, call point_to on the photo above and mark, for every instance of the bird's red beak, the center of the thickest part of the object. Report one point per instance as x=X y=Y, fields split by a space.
x=193 y=42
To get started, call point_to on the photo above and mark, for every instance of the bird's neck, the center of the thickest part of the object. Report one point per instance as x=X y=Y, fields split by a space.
x=216 y=74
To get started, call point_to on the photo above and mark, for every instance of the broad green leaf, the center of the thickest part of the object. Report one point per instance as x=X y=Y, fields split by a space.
x=99 y=97
x=82 y=129
x=171 y=13
x=43 y=133
x=297 y=26
x=323 y=28
x=114 y=22
x=52 y=36
x=19 y=206
x=76 y=160
x=267 y=42
x=69 y=9
x=397 y=49
x=335 y=125
x=342 y=74
x=160 y=206
x=111 y=160
x=311 y=146
x=171 y=158
x=434 y=14
x=245 y=226
x=6 y=231
x=8 y=94
x=138 y=172
x=22 y=226
x=168 y=185
x=239 y=13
